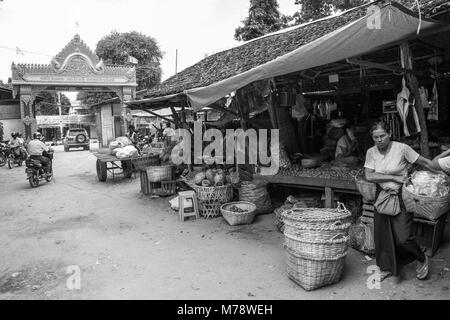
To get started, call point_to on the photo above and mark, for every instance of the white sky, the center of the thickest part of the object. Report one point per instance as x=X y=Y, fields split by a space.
x=194 y=27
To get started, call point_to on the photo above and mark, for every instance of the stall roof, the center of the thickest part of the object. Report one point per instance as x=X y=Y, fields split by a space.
x=294 y=49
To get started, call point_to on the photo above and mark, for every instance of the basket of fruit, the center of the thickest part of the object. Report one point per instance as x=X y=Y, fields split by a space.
x=240 y=212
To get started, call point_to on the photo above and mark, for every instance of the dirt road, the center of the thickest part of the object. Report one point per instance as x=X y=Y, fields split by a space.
x=128 y=246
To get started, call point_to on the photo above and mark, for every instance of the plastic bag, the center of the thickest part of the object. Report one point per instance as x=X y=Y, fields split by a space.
x=124 y=141
x=429 y=184
x=125 y=152
x=361 y=237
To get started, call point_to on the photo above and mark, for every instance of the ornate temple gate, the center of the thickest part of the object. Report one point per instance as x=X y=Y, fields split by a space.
x=75 y=68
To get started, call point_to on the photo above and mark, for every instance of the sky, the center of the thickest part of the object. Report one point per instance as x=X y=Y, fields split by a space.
x=195 y=27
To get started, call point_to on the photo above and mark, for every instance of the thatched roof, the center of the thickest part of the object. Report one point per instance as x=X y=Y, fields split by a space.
x=249 y=55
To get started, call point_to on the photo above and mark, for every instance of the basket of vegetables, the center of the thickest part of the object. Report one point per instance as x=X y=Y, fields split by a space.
x=213 y=188
x=240 y=212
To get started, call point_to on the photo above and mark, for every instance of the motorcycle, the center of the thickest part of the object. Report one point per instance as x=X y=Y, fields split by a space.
x=4 y=151
x=35 y=171
x=13 y=158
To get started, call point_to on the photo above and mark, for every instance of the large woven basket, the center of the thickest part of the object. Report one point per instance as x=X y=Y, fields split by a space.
x=211 y=198
x=318 y=216
x=429 y=207
x=320 y=249
x=160 y=173
x=237 y=218
x=312 y=273
x=141 y=163
x=367 y=189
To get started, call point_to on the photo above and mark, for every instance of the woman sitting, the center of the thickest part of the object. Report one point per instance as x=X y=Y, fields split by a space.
x=347 y=147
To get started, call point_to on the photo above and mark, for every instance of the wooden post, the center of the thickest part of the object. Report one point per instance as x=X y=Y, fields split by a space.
x=329 y=198
x=406 y=58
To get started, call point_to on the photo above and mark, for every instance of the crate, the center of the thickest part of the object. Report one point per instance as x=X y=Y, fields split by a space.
x=429 y=233
x=162 y=188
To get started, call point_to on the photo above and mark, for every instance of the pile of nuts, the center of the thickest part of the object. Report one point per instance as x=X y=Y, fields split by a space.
x=324 y=172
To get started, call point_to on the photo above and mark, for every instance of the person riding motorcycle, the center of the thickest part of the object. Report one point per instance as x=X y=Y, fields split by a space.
x=16 y=145
x=38 y=150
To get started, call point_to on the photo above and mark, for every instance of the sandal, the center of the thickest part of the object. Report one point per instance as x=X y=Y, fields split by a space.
x=385 y=274
x=422 y=269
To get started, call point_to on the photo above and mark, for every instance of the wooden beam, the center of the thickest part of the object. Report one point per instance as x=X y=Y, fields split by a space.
x=175 y=116
x=381 y=66
x=219 y=108
x=156 y=115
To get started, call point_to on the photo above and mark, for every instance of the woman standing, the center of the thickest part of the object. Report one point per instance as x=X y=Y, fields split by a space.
x=386 y=165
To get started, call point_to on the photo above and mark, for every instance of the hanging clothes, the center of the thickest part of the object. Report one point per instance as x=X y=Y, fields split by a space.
x=433 y=113
x=407 y=111
x=299 y=108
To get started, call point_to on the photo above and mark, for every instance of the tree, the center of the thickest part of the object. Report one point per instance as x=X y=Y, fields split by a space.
x=316 y=9
x=263 y=18
x=49 y=104
x=116 y=47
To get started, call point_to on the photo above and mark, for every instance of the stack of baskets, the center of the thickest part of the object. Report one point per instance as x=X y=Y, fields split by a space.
x=316 y=244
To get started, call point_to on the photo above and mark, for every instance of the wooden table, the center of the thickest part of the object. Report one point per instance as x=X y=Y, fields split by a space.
x=329 y=185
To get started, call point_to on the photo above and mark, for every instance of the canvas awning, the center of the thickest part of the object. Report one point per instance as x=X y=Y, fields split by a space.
x=396 y=24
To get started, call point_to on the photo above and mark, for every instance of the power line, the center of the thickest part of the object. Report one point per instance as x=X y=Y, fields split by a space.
x=18 y=51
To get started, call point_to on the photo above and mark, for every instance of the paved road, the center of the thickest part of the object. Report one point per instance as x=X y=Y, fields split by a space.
x=128 y=246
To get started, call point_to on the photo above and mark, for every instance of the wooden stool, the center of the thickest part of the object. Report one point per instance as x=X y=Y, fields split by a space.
x=185 y=195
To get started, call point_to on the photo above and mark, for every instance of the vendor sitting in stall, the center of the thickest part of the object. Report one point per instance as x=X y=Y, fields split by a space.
x=347 y=147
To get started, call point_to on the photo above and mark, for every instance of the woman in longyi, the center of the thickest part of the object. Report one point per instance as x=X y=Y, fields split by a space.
x=386 y=165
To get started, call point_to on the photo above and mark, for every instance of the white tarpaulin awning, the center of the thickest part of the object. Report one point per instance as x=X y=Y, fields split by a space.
x=395 y=23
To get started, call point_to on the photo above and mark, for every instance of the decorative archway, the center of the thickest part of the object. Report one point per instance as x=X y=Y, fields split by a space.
x=74 y=68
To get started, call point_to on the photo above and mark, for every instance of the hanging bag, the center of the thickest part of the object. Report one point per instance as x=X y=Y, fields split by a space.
x=388 y=202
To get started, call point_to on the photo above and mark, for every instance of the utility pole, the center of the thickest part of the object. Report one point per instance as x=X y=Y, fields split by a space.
x=60 y=115
x=176 y=61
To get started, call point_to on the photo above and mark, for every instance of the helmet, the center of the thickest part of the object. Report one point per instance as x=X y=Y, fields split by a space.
x=37 y=135
x=13 y=134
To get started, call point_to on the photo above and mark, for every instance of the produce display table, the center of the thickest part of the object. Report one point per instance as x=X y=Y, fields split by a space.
x=339 y=181
x=108 y=162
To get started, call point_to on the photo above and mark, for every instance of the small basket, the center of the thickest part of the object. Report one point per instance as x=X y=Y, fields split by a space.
x=367 y=189
x=160 y=173
x=237 y=218
x=430 y=208
x=312 y=273
x=143 y=162
x=211 y=198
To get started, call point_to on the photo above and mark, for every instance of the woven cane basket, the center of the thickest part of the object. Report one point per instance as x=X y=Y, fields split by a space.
x=317 y=216
x=211 y=198
x=143 y=162
x=160 y=173
x=237 y=218
x=319 y=249
x=367 y=189
x=429 y=207
x=312 y=273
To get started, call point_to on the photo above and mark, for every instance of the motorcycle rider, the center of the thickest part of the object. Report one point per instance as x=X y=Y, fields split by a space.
x=15 y=143
x=37 y=149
